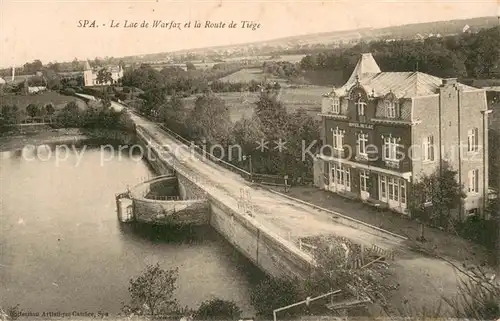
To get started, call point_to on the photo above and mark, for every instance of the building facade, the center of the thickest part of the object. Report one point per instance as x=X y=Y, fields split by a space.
x=90 y=75
x=381 y=131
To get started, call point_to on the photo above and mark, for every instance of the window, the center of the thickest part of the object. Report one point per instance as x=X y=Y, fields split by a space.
x=390 y=184
x=383 y=187
x=402 y=188
x=390 y=148
x=390 y=109
x=341 y=175
x=428 y=148
x=394 y=187
x=362 y=142
x=473 y=181
x=472 y=140
x=338 y=139
x=363 y=181
x=336 y=105
x=360 y=106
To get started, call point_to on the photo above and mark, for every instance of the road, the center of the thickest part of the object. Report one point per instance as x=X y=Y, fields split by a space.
x=287 y=218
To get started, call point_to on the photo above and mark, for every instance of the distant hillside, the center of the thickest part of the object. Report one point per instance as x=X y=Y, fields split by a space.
x=409 y=31
x=442 y=27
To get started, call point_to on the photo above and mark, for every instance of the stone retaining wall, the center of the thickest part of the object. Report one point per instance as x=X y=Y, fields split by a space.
x=195 y=212
x=266 y=250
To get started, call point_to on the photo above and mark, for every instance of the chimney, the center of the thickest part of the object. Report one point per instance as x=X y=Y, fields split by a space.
x=13 y=73
x=449 y=81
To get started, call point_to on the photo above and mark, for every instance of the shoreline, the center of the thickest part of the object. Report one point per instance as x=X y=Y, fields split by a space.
x=16 y=142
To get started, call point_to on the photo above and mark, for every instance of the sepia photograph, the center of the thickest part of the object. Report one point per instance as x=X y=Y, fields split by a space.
x=249 y=160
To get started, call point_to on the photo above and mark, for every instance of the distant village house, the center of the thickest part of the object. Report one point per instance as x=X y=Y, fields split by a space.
x=90 y=75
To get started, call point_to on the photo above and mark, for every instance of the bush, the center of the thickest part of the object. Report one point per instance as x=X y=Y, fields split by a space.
x=121 y=96
x=218 y=308
x=68 y=91
x=477 y=230
x=272 y=293
x=477 y=297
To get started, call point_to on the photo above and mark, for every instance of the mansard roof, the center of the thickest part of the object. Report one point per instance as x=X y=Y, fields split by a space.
x=368 y=75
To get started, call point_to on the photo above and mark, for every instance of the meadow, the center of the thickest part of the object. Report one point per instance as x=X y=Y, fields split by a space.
x=22 y=101
x=241 y=104
x=245 y=75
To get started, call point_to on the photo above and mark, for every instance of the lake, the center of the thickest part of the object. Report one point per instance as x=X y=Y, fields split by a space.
x=63 y=249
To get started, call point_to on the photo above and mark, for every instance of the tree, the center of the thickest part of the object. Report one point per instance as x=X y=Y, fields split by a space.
x=37 y=81
x=33 y=67
x=303 y=130
x=54 y=66
x=96 y=62
x=156 y=99
x=210 y=120
x=11 y=114
x=75 y=65
x=49 y=109
x=272 y=293
x=218 y=309
x=172 y=112
x=272 y=114
x=153 y=290
x=246 y=132
x=104 y=76
x=52 y=79
x=190 y=66
x=434 y=197
x=32 y=110
x=477 y=295
x=121 y=64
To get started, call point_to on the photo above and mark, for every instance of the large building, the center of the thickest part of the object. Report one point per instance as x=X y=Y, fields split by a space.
x=90 y=75
x=381 y=131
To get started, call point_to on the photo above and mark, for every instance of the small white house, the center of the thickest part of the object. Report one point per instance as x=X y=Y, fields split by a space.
x=90 y=75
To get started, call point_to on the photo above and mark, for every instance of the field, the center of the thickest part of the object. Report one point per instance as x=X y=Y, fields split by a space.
x=256 y=74
x=208 y=65
x=58 y=100
x=242 y=104
x=198 y=65
x=289 y=58
x=245 y=75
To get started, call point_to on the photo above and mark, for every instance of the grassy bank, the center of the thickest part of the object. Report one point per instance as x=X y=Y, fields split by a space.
x=62 y=136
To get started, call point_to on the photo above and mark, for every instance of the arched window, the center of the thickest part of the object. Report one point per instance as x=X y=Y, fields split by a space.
x=391 y=105
x=360 y=104
x=390 y=108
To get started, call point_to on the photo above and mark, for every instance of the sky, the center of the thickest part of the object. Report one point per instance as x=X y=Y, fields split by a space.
x=48 y=30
